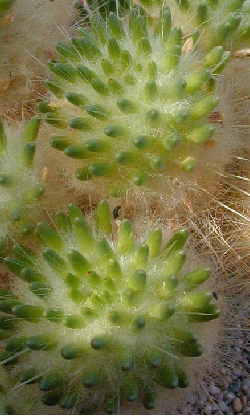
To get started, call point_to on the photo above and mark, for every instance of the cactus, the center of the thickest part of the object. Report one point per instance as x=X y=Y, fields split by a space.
x=85 y=8
x=5 y=5
x=211 y=22
x=132 y=105
x=19 y=185
x=98 y=318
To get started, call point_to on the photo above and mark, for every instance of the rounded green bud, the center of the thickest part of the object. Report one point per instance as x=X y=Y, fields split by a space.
x=130 y=389
x=191 y=350
x=139 y=178
x=51 y=381
x=53 y=315
x=201 y=134
x=51 y=398
x=188 y=164
x=28 y=312
x=74 y=321
x=137 y=282
x=157 y=163
x=100 y=342
x=192 y=301
x=148 y=401
x=90 y=379
x=203 y=107
x=167 y=377
x=183 y=379
x=196 y=278
x=15 y=344
x=71 y=351
x=68 y=401
x=171 y=142
x=126 y=237
x=79 y=263
x=154 y=358
x=42 y=342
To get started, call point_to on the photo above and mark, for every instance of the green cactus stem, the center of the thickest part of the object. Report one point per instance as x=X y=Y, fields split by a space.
x=210 y=22
x=19 y=185
x=5 y=5
x=129 y=104
x=98 y=318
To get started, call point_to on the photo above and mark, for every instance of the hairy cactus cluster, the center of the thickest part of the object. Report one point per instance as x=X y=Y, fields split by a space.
x=212 y=22
x=5 y=5
x=98 y=319
x=132 y=104
x=19 y=185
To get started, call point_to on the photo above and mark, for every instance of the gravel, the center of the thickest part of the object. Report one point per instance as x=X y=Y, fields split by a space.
x=228 y=393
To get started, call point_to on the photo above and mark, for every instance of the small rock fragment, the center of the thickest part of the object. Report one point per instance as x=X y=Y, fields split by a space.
x=237 y=405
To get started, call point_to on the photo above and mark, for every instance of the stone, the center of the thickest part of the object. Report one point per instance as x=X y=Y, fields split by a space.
x=245 y=388
x=237 y=373
x=234 y=386
x=192 y=398
x=222 y=406
x=200 y=404
x=243 y=401
x=208 y=409
x=213 y=390
x=247 y=382
x=230 y=396
x=237 y=406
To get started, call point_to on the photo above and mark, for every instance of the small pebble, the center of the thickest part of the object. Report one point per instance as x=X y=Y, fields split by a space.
x=222 y=406
x=235 y=387
x=214 y=408
x=208 y=409
x=229 y=411
x=230 y=396
x=244 y=388
x=182 y=410
x=237 y=406
x=213 y=390
x=200 y=404
x=247 y=382
x=192 y=398
x=247 y=411
x=243 y=401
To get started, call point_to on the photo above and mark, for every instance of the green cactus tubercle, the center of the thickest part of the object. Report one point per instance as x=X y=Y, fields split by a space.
x=98 y=318
x=130 y=104
x=19 y=185
x=213 y=22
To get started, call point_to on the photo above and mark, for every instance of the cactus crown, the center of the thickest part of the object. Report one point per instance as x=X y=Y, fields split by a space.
x=214 y=22
x=98 y=318
x=133 y=104
x=19 y=186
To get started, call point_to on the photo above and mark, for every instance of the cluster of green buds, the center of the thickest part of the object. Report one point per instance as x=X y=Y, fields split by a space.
x=19 y=185
x=132 y=103
x=104 y=7
x=97 y=318
x=5 y=5
x=211 y=22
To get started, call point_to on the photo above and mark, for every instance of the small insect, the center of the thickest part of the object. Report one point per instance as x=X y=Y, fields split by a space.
x=116 y=212
x=215 y=295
